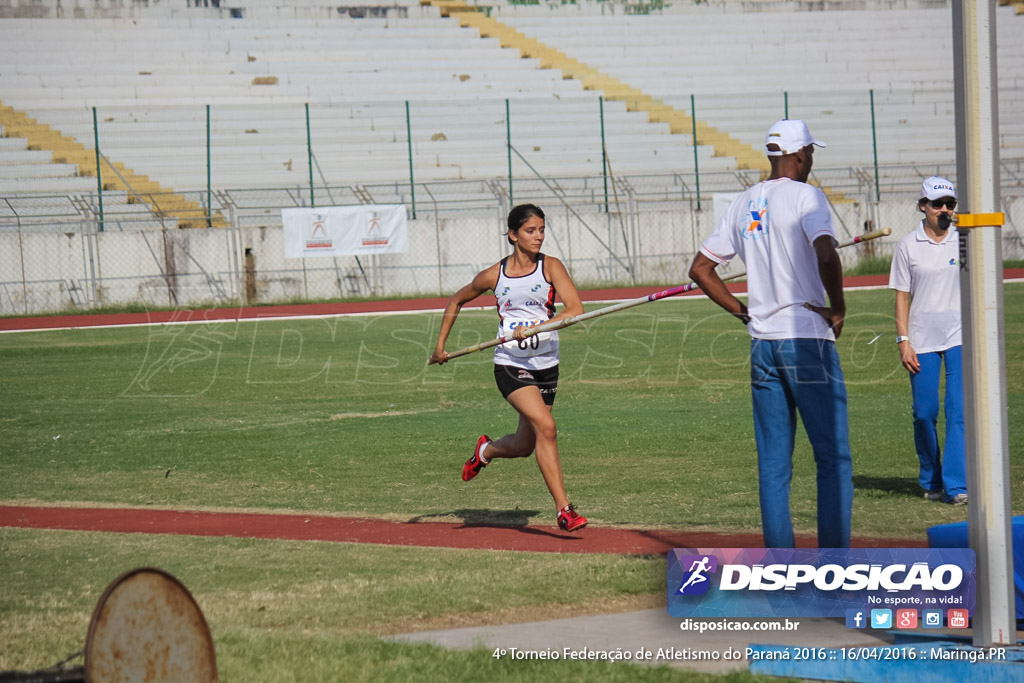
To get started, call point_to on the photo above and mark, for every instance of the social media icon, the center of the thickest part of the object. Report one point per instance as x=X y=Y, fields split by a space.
x=957 y=618
x=931 y=618
x=881 y=618
x=906 y=618
x=856 y=618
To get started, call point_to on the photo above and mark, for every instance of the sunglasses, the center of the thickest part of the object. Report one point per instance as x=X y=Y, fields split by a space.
x=939 y=203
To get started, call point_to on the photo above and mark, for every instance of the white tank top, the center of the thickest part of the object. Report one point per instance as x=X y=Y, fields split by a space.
x=525 y=300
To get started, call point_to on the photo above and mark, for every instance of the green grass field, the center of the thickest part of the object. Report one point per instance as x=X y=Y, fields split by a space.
x=341 y=416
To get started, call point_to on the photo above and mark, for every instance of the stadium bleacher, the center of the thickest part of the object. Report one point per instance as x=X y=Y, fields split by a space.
x=221 y=112
x=162 y=58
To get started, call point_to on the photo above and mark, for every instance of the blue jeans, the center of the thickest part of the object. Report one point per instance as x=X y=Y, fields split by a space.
x=786 y=377
x=947 y=474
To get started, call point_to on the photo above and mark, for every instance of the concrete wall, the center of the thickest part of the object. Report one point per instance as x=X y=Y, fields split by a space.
x=82 y=269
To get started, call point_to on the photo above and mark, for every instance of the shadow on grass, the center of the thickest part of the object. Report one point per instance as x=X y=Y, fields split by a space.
x=518 y=520
x=890 y=485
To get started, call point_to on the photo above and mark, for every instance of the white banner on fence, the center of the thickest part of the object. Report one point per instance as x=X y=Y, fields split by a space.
x=344 y=230
x=722 y=201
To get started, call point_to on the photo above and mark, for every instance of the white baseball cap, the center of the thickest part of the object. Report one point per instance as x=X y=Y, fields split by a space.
x=937 y=188
x=791 y=135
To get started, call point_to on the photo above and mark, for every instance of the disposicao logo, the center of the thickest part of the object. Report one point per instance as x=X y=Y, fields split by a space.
x=777 y=582
x=697 y=581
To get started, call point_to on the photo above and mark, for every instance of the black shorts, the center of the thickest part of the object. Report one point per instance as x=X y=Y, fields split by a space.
x=509 y=379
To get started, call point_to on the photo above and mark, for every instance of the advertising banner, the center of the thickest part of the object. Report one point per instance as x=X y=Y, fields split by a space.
x=859 y=584
x=344 y=230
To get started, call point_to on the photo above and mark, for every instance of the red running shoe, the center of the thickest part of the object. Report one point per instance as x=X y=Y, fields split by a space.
x=475 y=464
x=570 y=520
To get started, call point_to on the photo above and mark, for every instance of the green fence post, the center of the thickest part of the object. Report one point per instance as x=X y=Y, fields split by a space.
x=874 y=147
x=408 y=135
x=785 y=104
x=309 y=154
x=604 y=155
x=508 y=142
x=696 y=170
x=99 y=173
x=209 y=174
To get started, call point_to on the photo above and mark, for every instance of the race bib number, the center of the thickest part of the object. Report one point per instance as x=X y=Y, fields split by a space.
x=536 y=345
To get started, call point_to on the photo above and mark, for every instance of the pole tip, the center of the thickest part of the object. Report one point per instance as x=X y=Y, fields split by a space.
x=886 y=230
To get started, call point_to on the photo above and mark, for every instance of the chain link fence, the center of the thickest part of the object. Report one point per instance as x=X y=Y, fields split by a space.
x=55 y=257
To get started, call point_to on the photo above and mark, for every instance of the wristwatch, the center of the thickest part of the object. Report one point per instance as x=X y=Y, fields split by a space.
x=901 y=338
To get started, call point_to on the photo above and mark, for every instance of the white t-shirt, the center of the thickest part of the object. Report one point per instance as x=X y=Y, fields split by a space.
x=772 y=228
x=930 y=271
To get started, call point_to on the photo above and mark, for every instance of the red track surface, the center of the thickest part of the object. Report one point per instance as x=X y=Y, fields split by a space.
x=593 y=539
x=390 y=306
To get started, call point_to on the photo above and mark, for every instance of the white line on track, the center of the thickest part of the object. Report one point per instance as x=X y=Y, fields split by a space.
x=364 y=313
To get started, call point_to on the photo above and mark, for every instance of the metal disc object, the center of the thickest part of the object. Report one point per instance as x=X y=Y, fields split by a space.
x=147 y=628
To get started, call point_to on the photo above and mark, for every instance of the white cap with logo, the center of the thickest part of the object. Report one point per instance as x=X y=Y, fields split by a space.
x=791 y=135
x=937 y=188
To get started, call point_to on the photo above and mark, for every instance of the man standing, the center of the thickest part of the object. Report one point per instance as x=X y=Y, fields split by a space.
x=782 y=230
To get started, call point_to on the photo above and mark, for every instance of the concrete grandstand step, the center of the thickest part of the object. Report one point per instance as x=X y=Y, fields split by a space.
x=46 y=185
x=15 y=151
x=12 y=168
x=186 y=140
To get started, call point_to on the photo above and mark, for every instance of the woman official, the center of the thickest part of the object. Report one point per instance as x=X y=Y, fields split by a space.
x=926 y=276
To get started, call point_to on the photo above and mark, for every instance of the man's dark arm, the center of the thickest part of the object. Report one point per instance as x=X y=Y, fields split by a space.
x=703 y=272
x=830 y=270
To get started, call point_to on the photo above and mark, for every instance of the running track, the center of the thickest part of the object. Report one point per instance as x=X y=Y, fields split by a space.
x=546 y=539
x=326 y=309
x=358 y=308
x=594 y=539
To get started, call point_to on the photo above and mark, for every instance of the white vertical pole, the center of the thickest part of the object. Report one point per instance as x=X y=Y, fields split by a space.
x=981 y=295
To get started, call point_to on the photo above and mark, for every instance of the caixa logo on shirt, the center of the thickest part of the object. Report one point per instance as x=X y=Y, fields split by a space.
x=757 y=210
x=776 y=582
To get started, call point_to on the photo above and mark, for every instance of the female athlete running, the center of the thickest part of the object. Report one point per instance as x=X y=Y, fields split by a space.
x=525 y=369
